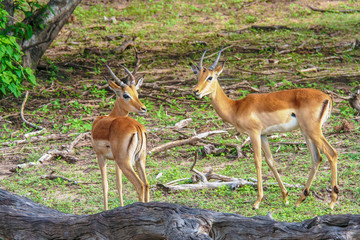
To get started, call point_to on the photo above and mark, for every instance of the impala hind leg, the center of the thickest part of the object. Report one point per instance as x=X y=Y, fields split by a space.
x=332 y=156
x=105 y=186
x=140 y=166
x=129 y=172
x=119 y=183
x=316 y=160
x=270 y=161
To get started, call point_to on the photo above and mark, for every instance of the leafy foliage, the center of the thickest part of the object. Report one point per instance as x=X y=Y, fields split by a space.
x=12 y=73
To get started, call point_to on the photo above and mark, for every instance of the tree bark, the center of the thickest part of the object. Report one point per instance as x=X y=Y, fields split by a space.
x=53 y=22
x=21 y=218
x=9 y=7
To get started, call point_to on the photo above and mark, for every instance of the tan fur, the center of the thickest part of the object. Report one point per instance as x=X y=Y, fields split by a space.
x=262 y=114
x=123 y=139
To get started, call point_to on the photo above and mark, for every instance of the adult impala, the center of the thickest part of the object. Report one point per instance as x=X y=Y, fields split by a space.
x=123 y=139
x=261 y=114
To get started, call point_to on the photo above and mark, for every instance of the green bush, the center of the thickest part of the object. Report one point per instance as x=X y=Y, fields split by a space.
x=12 y=73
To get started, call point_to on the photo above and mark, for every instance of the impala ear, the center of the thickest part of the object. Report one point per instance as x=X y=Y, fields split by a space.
x=218 y=70
x=195 y=68
x=116 y=88
x=139 y=83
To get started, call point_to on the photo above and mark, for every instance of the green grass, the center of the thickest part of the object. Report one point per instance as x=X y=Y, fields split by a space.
x=169 y=35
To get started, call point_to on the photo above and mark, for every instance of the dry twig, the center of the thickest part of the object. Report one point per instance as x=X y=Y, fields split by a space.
x=67 y=154
x=53 y=177
x=22 y=113
x=176 y=143
x=333 y=11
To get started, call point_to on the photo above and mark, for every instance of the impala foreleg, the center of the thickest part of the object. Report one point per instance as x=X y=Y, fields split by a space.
x=256 y=144
x=119 y=183
x=105 y=186
x=270 y=161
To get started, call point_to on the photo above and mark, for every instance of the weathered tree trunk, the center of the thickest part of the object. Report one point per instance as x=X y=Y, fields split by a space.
x=9 y=7
x=21 y=218
x=41 y=39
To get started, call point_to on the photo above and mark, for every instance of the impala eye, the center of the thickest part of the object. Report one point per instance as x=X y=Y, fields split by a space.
x=126 y=96
x=209 y=78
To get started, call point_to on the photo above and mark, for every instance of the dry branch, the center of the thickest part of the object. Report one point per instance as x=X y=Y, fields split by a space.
x=333 y=11
x=67 y=154
x=123 y=46
x=22 y=114
x=203 y=185
x=34 y=139
x=354 y=99
x=270 y=28
x=190 y=140
x=53 y=177
x=229 y=145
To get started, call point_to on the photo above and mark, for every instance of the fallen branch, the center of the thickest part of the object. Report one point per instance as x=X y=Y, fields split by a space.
x=22 y=218
x=354 y=99
x=293 y=50
x=67 y=154
x=123 y=46
x=270 y=28
x=53 y=177
x=204 y=179
x=333 y=11
x=22 y=114
x=198 y=173
x=204 y=185
x=230 y=145
x=69 y=158
x=190 y=140
x=34 y=139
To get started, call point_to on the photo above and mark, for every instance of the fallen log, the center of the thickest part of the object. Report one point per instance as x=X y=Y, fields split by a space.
x=21 y=218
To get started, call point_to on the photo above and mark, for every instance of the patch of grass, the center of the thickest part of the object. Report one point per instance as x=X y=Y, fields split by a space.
x=168 y=35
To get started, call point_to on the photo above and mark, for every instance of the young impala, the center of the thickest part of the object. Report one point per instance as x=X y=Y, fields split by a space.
x=261 y=114
x=123 y=139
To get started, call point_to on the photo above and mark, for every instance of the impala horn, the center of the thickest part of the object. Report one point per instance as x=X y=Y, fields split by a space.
x=201 y=60
x=121 y=83
x=132 y=81
x=216 y=62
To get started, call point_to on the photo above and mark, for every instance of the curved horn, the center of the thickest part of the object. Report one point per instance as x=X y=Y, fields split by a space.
x=201 y=60
x=121 y=83
x=216 y=62
x=132 y=82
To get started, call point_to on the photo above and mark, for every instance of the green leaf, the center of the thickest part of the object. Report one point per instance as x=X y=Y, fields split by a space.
x=30 y=75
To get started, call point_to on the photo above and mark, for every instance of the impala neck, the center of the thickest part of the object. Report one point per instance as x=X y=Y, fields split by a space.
x=223 y=105
x=118 y=111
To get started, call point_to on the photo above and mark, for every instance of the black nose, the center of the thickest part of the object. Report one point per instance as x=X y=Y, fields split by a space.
x=144 y=109
x=196 y=92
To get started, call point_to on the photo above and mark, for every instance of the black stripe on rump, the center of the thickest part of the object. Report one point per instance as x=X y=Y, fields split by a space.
x=325 y=103
x=131 y=141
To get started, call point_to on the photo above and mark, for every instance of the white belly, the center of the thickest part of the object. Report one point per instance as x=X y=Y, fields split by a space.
x=283 y=127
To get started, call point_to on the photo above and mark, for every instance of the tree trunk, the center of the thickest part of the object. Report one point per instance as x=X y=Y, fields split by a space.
x=9 y=7
x=53 y=22
x=21 y=218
